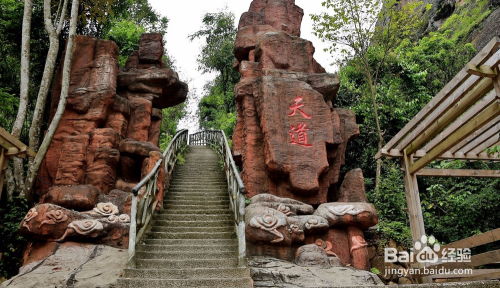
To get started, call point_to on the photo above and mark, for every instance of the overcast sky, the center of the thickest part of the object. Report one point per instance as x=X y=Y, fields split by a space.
x=185 y=18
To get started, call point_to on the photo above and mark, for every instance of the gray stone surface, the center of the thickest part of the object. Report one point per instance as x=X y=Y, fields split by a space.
x=73 y=265
x=271 y=272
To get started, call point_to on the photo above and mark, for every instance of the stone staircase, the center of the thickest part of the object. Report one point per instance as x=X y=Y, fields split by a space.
x=192 y=241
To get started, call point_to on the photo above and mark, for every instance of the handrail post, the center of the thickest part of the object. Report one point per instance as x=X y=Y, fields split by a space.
x=149 y=187
x=133 y=228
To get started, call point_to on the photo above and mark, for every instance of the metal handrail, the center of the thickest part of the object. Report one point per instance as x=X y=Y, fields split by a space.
x=144 y=193
x=218 y=141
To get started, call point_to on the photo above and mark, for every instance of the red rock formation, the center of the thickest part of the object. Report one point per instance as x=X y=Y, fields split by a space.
x=291 y=142
x=106 y=142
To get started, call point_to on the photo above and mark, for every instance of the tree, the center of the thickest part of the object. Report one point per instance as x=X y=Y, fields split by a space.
x=216 y=56
x=356 y=28
x=54 y=32
x=33 y=169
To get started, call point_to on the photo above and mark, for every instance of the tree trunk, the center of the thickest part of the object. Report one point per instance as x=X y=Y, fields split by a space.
x=33 y=170
x=18 y=174
x=10 y=183
x=25 y=69
x=380 y=136
x=48 y=72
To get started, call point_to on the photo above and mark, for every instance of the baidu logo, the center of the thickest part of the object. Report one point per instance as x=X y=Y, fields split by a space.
x=427 y=250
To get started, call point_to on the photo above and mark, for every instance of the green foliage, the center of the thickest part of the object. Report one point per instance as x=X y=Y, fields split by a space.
x=352 y=26
x=391 y=205
x=407 y=76
x=126 y=34
x=375 y=271
x=8 y=112
x=171 y=117
x=98 y=16
x=217 y=108
x=455 y=208
x=11 y=242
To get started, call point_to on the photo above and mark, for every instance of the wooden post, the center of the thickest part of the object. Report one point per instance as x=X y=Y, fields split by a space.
x=413 y=201
x=2 y=164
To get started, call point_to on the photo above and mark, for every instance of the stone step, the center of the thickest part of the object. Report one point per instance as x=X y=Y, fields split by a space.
x=195 y=273
x=198 y=196
x=200 y=174
x=198 y=186
x=186 y=263
x=198 y=283
x=194 y=203
x=190 y=235
x=188 y=248
x=182 y=255
x=192 y=229
x=193 y=217
x=201 y=210
x=197 y=191
x=177 y=206
x=195 y=198
x=191 y=242
x=214 y=223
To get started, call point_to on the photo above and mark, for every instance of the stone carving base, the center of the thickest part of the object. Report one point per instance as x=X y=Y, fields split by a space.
x=272 y=272
x=70 y=264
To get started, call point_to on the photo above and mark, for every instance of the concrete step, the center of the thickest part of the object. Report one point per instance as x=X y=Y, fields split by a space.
x=195 y=203
x=200 y=174
x=193 y=217
x=192 y=229
x=194 y=224
x=198 y=186
x=186 y=263
x=190 y=235
x=201 y=210
x=191 y=242
x=196 y=198
x=198 y=283
x=199 y=190
x=171 y=207
x=177 y=206
x=182 y=255
x=186 y=248
x=195 y=273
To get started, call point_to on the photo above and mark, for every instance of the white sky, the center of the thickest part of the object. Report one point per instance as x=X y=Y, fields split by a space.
x=185 y=18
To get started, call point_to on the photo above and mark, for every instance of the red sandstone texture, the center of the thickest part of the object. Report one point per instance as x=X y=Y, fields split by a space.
x=290 y=142
x=106 y=142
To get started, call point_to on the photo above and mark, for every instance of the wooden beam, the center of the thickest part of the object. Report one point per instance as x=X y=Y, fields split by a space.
x=476 y=240
x=485 y=258
x=449 y=116
x=492 y=132
x=413 y=204
x=8 y=141
x=480 y=59
x=477 y=274
x=481 y=71
x=2 y=165
x=470 y=113
x=446 y=156
x=477 y=133
x=477 y=122
x=459 y=173
x=492 y=142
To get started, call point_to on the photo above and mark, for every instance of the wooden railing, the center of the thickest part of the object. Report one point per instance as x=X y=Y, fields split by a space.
x=144 y=200
x=475 y=262
x=216 y=139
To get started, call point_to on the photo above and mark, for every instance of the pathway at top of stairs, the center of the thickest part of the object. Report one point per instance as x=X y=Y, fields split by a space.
x=192 y=241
